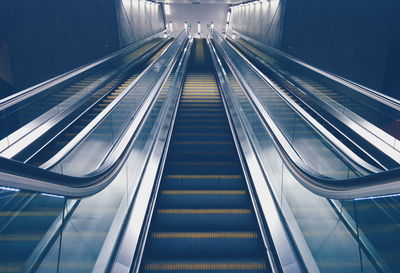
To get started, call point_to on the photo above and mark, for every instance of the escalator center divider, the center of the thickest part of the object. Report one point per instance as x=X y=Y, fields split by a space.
x=203 y=218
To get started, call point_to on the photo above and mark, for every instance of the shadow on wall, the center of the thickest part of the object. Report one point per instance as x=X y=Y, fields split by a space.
x=6 y=87
x=392 y=78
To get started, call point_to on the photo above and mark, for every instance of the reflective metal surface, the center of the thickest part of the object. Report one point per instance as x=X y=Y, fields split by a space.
x=75 y=186
x=40 y=109
x=330 y=235
x=67 y=235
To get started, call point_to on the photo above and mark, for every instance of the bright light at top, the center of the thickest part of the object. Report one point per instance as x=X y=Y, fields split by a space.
x=198 y=27
x=167 y=10
x=228 y=16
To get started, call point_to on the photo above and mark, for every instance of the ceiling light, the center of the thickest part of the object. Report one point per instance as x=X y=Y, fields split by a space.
x=167 y=10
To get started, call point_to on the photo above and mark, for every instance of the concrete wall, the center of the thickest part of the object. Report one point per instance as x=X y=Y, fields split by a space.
x=357 y=39
x=194 y=13
x=138 y=20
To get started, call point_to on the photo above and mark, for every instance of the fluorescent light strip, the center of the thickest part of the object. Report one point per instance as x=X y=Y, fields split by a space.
x=167 y=10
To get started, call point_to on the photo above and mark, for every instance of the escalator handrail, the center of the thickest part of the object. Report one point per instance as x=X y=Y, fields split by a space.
x=43 y=86
x=44 y=123
x=284 y=250
x=338 y=145
x=90 y=127
x=368 y=186
x=385 y=99
x=133 y=237
x=370 y=133
x=17 y=175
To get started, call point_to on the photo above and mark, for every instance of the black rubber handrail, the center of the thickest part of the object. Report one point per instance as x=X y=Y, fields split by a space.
x=368 y=186
x=18 y=175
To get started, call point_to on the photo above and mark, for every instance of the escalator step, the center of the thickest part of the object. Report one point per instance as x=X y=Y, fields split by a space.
x=204 y=199
x=203 y=244
x=203 y=182
x=204 y=266
x=204 y=220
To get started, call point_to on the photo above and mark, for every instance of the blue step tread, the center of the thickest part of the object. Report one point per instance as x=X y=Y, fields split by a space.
x=203 y=220
x=204 y=244
x=206 y=266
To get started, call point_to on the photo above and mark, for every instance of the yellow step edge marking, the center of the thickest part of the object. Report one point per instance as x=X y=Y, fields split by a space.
x=181 y=176
x=192 y=105
x=202 y=134
x=207 y=101
x=185 y=93
x=39 y=236
x=223 y=192
x=29 y=213
x=202 y=115
x=204 y=266
x=186 y=109
x=203 y=142
x=200 y=91
x=201 y=127
x=212 y=163
x=200 y=83
x=197 y=93
x=201 y=87
x=204 y=235
x=10 y=268
x=204 y=152
x=204 y=211
x=200 y=97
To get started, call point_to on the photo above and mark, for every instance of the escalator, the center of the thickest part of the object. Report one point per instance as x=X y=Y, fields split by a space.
x=203 y=220
x=112 y=91
x=206 y=217
x=32 y=223
x=343 y=112
x=18 y=116
x=319 y=86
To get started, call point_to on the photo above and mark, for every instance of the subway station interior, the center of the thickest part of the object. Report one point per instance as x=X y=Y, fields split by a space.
x=200 y=136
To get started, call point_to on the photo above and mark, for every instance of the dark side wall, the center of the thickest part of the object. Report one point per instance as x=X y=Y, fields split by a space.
x=358 y=39
x=48 y=37
x=42 y=39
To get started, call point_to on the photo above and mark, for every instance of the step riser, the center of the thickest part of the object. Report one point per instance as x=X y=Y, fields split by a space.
x=204 y=201
x=204 y=222
x=201 y=169
x=204 y=248
x=202 y=184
